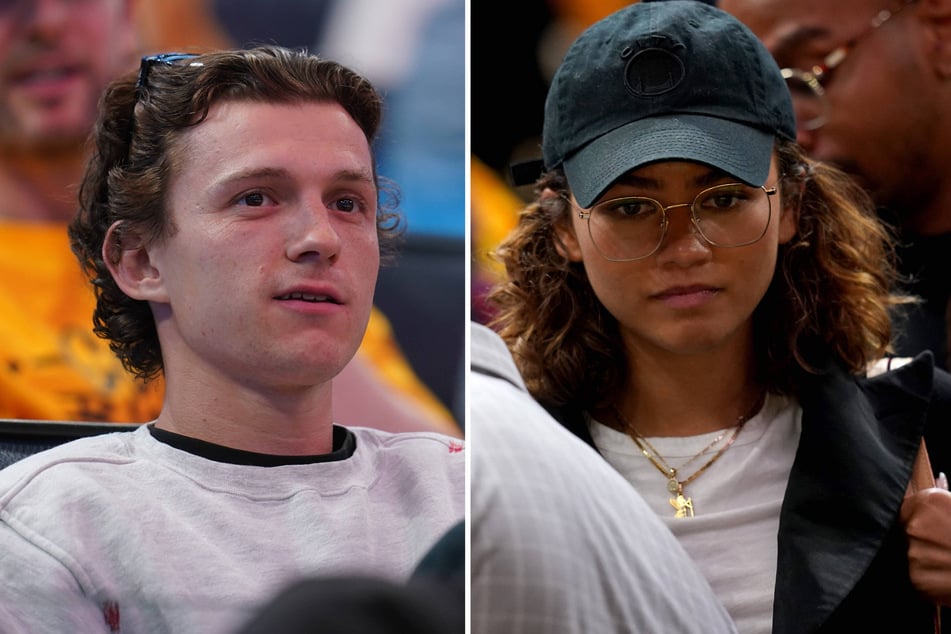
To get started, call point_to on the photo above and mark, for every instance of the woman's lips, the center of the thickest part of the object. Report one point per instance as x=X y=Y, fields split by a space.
x=687 y=296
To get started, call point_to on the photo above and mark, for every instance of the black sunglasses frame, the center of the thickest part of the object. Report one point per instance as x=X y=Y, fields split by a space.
x=168 y=59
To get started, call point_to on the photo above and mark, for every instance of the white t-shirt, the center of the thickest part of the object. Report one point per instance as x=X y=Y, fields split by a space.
x=733 y=534
x=122 y=532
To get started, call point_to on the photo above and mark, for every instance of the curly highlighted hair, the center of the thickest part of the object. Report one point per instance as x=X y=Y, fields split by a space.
x=832 y=290
x=134 y=153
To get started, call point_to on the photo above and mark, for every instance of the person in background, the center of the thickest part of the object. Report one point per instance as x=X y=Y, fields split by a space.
x=360 y=605
x=837 y=58
x=232 y=223
x=55 y=59
x=56 y=56
x=701 y=302
x=561 y=544
x=431 y=601
x=870 y=82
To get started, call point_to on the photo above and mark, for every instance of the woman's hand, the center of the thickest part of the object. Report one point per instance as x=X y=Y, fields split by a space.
x=926 y=516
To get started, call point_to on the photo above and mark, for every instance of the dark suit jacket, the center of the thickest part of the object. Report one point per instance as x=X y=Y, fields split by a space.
x=843 y=564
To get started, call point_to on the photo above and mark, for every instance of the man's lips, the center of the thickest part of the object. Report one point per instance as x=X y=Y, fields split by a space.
x=315 y=298
x=48 y=83
x=38 y=76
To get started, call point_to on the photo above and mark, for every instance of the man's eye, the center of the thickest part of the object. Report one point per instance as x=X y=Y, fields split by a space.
x=254 y=199
x=345 y=204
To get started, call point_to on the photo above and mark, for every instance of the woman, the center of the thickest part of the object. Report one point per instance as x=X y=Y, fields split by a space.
x=699 y=301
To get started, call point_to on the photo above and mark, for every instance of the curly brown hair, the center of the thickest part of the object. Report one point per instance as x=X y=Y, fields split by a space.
x=831 y=291
x=133 y=154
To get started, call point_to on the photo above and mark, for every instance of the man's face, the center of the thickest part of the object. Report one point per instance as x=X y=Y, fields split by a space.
x=881 y=114
x=268 y=276
x=56 y=56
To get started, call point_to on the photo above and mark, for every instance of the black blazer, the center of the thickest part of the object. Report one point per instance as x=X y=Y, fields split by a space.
x=843 y=560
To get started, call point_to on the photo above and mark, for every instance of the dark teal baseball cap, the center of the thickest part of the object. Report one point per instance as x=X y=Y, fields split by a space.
x=664 y=80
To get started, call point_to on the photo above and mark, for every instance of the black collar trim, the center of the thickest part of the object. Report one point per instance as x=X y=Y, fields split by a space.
x=344 y=445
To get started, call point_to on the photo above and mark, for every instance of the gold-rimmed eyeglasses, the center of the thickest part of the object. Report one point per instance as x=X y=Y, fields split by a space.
x=633 y=227
x=808 y=86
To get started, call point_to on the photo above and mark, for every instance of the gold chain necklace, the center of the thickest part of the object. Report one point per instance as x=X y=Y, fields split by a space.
x=683 y=505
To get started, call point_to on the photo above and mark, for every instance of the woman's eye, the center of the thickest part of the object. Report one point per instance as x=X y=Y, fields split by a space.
x=627 y=208
x=725 y=200
x=635 y=209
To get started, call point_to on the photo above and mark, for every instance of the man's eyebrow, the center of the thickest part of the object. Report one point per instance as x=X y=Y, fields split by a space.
x=354 y=176
x=346 y=175
x=252 y=173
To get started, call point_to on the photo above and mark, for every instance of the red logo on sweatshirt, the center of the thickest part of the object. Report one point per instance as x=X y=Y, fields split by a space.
x=455 y=447
x=110 y=613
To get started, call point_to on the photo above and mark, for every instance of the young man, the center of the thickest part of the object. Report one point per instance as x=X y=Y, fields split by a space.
x=56 y=57
x=233 y=223
x=870 y=82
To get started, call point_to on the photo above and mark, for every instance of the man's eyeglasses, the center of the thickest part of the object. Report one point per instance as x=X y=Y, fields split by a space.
x=634 y=227
x=168 y=59
x=807 y=86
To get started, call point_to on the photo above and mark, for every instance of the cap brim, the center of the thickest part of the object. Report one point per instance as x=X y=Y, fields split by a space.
x=739 y=150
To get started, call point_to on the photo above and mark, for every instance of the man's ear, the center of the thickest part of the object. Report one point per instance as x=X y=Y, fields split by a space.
x=131 y=266
x=935 y=19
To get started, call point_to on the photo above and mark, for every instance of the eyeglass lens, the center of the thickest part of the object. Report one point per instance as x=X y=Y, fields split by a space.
x=808 y=97
x=631 y=228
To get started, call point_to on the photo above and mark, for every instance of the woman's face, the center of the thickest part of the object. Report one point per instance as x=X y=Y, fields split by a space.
x=688 y=297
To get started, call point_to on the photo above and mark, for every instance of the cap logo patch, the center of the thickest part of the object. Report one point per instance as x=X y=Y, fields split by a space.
x=653 y=71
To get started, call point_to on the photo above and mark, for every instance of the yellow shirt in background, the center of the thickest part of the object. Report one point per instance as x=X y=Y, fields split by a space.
x=380 y=348
x=52 y=366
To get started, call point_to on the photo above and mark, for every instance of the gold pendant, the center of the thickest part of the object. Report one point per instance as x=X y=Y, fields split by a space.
x=683 y=505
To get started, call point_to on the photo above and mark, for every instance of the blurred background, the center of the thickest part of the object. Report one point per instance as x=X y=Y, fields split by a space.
x=512 y=62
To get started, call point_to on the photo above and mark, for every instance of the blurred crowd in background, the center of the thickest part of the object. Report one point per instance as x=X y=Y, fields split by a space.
x=506 y=123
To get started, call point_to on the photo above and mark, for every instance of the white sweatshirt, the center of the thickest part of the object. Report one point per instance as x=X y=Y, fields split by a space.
x=124 y=533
